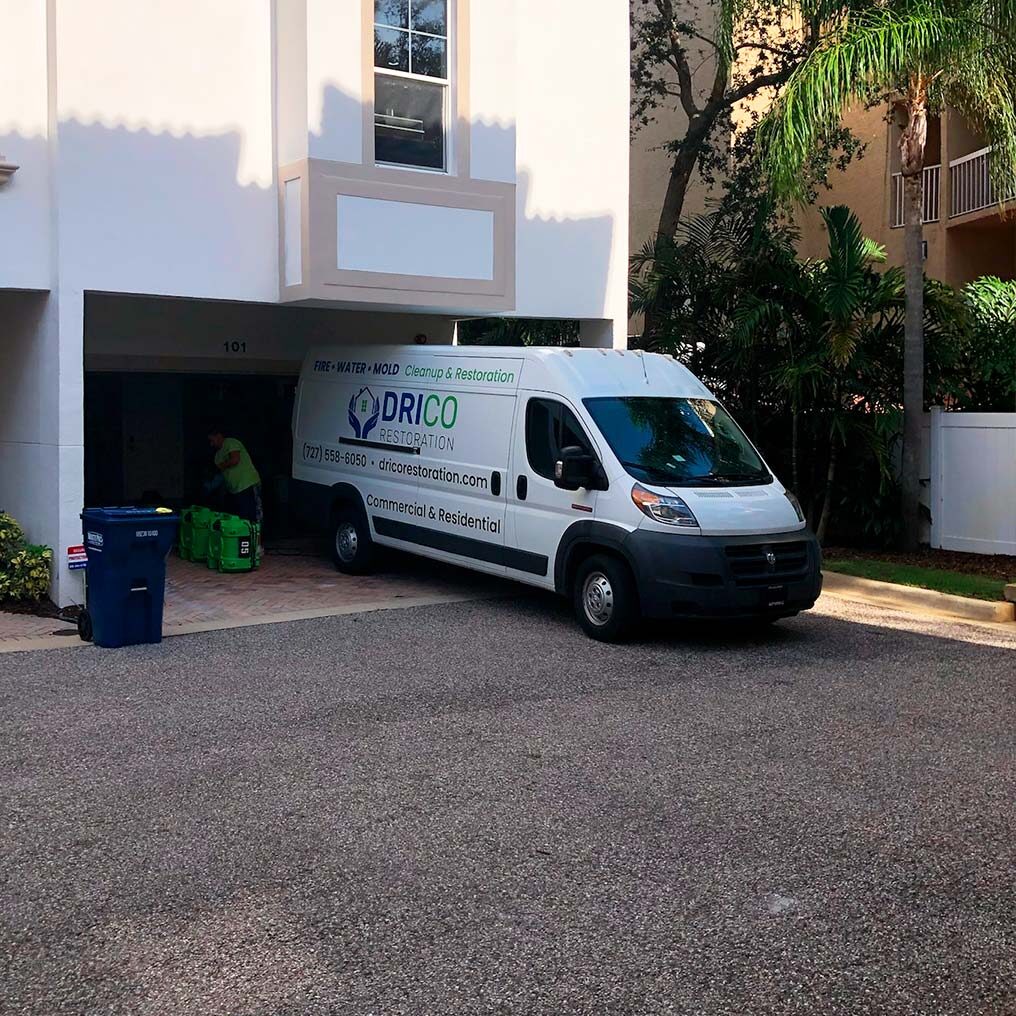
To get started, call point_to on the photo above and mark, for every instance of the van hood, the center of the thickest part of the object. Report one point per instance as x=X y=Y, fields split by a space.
x=739 y=511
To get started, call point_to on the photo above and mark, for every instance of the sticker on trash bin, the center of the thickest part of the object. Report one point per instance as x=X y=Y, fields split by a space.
x=77 y=557
x=244 y=548
x=94 y=539
x=141 y=534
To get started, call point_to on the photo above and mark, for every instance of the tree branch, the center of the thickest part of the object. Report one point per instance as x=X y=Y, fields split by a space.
x=686 y=81
x=679 y=59
x=758 y=84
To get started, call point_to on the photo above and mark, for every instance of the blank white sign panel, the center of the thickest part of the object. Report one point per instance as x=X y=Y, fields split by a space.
x=408 y=238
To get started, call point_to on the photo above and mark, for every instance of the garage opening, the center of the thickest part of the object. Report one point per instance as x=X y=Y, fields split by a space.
x=159 y=371
x=146 y=438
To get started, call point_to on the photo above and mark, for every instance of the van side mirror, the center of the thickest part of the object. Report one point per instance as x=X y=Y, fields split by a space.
x=577 y=468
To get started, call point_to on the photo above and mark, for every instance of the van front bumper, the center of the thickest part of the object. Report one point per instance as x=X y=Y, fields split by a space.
x=725 y=577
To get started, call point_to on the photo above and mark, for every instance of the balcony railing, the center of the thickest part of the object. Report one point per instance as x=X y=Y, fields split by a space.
x=932 y=196
x=971 y=186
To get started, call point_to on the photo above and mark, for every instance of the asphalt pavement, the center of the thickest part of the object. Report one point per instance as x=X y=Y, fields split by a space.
x=473 y=809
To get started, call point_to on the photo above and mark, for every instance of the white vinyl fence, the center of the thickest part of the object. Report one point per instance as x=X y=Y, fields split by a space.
x=973 y=481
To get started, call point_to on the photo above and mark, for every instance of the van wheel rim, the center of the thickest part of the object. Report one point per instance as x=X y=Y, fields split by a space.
x=598 y=599
x=346 y=542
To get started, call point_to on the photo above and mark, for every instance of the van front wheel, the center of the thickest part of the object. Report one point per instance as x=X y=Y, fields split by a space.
x=605 y=599
x=352 y=546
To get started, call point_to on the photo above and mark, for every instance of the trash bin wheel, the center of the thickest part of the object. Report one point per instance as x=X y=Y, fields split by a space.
x=85 y=626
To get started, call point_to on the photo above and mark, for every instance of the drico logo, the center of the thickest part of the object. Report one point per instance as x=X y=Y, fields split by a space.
x=364 y=413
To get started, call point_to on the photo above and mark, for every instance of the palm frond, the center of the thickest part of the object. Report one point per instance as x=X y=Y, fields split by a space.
x=867 y=51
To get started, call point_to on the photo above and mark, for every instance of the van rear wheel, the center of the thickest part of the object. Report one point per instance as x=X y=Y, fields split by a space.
x=605 y=598
x=353 y=549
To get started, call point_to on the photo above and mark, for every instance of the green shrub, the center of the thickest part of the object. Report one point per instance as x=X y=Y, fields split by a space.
x=12 y=538
x=25 y=576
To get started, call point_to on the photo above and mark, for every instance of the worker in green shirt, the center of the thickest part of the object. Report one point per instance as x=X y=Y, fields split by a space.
x=243 y=484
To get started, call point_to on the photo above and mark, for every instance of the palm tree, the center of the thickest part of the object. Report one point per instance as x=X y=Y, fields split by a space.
x=929 y=53
x=856 y=303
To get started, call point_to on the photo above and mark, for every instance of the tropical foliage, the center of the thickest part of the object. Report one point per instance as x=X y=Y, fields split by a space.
x=24 y=567
x=808 y=354
x=12 y=536
x=922 y=55
x=518 y=332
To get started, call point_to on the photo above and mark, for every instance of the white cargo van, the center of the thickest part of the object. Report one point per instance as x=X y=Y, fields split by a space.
x=614 y=478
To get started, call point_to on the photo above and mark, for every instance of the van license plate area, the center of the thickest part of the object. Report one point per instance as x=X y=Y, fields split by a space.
x=773 y=597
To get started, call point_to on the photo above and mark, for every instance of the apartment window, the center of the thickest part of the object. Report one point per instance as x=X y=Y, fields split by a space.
x=410 y=82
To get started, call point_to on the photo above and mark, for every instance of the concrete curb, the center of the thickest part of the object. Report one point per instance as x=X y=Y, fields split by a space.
x=887 y=594
x=30 y=643
x=35 y=643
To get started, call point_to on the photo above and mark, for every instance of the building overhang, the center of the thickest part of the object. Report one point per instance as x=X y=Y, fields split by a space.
x=396 y=239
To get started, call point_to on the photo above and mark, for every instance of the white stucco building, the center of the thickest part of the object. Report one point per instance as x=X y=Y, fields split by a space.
x=205 y=187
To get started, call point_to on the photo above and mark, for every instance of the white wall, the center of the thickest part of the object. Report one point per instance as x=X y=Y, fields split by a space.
x=165 y=159
x=573 y=129
x=24 y=140
x=41 y=445
x=320 y=81
x=335 y=80
x=494 y=67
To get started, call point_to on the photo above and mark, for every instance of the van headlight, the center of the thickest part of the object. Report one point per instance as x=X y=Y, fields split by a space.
x=797 y=505
x=670 y=510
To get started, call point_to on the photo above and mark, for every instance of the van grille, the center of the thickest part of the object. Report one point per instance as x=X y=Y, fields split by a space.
x=750 y=565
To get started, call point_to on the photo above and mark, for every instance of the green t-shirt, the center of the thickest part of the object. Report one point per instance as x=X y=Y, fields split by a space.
x=243 y=474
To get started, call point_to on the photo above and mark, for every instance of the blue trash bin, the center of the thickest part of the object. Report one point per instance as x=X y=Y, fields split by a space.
x=127 y=550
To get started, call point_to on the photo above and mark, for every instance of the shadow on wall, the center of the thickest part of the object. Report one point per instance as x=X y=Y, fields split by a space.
x=166 y=214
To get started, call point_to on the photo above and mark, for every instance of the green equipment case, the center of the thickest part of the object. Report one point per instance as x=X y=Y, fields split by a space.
x=185 y=540
x=234 y=545
x=201 y=528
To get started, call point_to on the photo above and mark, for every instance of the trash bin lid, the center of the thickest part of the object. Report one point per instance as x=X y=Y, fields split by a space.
x=125 y=514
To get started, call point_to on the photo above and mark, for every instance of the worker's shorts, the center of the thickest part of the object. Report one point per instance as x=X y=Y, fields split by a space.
x=247 y=504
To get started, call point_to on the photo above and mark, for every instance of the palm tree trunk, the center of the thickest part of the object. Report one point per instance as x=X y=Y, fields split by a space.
x=827 y=501
x=912 y=148
x=681 y=172
x=795 y=440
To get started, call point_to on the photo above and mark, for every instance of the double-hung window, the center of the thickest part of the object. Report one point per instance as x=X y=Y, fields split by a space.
x=411 y=82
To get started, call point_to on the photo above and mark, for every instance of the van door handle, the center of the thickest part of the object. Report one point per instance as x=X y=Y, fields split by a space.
x=495 y=483
x=521 y=487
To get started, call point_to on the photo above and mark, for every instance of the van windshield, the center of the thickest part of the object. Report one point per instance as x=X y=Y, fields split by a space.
x=678 y=442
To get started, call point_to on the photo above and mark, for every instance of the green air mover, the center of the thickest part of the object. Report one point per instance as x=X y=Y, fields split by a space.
x=234 y=545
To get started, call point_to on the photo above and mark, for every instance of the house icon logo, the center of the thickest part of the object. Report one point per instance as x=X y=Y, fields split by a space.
x=364 y=413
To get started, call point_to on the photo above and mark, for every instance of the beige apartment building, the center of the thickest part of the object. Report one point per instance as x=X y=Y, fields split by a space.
x=968 y=232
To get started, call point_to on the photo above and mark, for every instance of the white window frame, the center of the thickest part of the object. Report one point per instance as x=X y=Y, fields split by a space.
x=446 y=83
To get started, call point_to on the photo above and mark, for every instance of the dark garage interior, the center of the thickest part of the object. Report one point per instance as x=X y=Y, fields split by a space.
x=146 y=437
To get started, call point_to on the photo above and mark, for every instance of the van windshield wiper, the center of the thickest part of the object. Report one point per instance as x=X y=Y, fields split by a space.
x=652 y=475
x=728 y=479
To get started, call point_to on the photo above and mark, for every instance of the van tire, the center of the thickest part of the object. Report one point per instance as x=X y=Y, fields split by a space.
x=605 y=598
x=353 y=550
